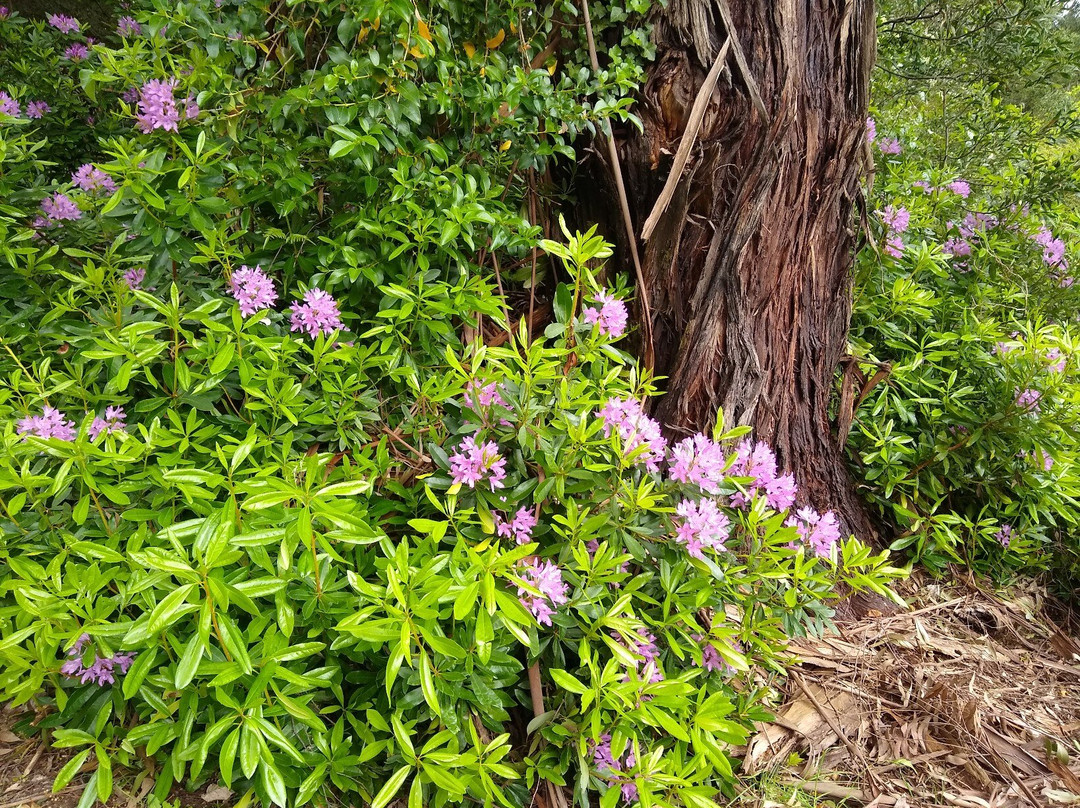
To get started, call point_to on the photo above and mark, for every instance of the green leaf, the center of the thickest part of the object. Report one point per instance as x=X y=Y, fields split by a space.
x=391 y=787
x=189 y=662
x=104 y=774
x=274 y=784
x=138 y=671
x=69 y=770
x=170 y=609
x=567 y=682
x=227 y=756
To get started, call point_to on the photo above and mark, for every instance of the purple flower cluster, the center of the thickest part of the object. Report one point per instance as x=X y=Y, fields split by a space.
x=1004 y=535
x=37 y=109
x=157 y=106
x=818 y=532
x=613 y=770
x=609 y=317
x=9 y=106
x=103 y=669
x=93 y=180
x=59 y=207
x=975 y=224
x=317 y=314
x=76 y=52
x=253 y=289
x=638 y=432
x=889 y=145
x=112 y=422
x=134 y=277
x=698 y=461
x=63 y=23
x=1028 y=400
x=546 y=578
x=1053 y=249
x=702 y=525
x=473 y=462
x=128 y=26
x=960 y=188
x=520 y=527
x=757 y=461
x=871 y=130
x=957 y=247
x=50 y=424
x=1056 y=360
x=897 y=221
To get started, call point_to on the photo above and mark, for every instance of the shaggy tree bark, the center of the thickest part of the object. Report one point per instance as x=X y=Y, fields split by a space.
x=748 y=269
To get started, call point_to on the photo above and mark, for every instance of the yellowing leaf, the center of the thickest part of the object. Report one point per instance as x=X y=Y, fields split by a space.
x=423 y=30
x=415 y=51
x=505 y=145
x=376 y=23
x=551 y=67
x=513 y=28
x=496 y=40
x=470 y=49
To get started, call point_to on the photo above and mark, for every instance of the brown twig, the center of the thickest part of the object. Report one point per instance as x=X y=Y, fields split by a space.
x=628 y=221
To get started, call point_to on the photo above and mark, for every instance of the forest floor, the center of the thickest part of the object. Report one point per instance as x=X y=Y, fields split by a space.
x=970 y=698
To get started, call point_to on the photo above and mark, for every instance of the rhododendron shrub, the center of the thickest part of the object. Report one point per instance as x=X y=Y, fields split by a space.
x=965 y=427
x=289 y=500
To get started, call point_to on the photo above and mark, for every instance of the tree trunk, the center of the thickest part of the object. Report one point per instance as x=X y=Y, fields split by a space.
x=748 y=270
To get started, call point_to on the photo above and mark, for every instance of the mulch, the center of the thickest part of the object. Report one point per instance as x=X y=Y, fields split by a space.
x=969 y=698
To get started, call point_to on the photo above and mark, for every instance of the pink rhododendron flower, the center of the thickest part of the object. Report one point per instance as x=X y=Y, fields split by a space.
x=957 y=247
x=63 y=23
x=157 y=106
x=318 y=314
x=1028 y=400
x=91 y=179
x=128 y=27
x=112 y=422
x=474 y=461
x=610 y=317
x=76 y=52
x=700 y=525
x=9 y=106
x=546 y=578
x=637 y=431
x=134 y=277
x=37 y=109
x=960 y=188
x=612 y=770
x=871 y=130
x=253 y=289
x=889 y=145
x=59 y=207
x=1004 y=535
x=896 y=219
x=642 y=645
x=50 y=424
x=757 y=461
x=521 y=527
x=698 y=461
x=818 y=532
